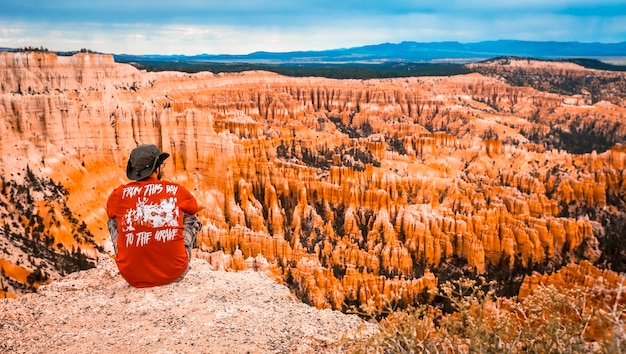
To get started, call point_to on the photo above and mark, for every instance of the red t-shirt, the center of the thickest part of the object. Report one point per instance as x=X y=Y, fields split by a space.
x=151 y=246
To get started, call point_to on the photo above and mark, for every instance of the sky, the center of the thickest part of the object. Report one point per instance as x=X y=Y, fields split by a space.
x=192 y=27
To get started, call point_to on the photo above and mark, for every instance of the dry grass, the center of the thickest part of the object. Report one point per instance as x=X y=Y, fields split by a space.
x=550 y=320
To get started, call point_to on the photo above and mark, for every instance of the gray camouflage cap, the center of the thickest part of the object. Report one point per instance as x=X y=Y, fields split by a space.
x=143 y=160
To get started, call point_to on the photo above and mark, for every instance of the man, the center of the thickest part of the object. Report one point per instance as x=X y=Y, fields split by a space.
x=152 y=222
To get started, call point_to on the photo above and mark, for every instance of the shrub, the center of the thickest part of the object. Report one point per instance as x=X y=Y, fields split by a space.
x=550 y=320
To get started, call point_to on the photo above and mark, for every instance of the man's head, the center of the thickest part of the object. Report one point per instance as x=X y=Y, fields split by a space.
x=143 y=160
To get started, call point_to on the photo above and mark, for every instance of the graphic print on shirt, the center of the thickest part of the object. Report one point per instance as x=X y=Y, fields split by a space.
x=152 y=215
x=160 y=215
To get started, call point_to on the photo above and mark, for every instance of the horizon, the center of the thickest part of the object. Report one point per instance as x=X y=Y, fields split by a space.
x=77 y=50
x=242 y=27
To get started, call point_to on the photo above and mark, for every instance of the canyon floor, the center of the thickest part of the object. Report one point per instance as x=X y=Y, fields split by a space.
x=96 y=311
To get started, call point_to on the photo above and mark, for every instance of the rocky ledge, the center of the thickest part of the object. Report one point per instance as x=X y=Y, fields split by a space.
x=96 y=311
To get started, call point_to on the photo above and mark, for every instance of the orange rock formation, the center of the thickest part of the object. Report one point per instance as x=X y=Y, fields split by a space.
x=349 y=190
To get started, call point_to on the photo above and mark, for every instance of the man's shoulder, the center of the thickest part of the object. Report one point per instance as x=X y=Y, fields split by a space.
x=118 y=188
x=170 y=183
x=124 y=185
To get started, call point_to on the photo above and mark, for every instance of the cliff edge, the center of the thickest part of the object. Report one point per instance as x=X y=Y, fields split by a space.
x=96 y=311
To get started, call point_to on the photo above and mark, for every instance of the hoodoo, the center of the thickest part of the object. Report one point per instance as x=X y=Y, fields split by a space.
x=347 y=190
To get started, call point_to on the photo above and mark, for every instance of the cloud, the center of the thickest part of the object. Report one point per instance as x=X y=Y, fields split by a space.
x=245 y=26
x=282 y=12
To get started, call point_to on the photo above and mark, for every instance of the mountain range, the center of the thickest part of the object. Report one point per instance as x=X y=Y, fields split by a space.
x=411 y=51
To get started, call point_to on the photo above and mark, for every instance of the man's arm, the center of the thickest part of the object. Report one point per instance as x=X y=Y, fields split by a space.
x=192 y=226
x=112 y=226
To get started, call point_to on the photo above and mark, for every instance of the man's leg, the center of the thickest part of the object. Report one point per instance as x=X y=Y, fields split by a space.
x=192 y=226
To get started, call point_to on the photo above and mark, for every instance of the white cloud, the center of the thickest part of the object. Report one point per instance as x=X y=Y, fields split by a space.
x=241 y=27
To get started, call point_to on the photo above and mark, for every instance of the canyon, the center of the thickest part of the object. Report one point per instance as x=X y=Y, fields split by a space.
x=351 y=192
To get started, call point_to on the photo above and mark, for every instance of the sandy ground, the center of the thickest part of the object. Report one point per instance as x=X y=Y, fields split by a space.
x=209 y=311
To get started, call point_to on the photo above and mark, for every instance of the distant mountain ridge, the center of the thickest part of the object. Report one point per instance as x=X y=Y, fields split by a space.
x=416 y=52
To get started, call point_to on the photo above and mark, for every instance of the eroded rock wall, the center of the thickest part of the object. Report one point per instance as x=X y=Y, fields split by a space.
x=349 y=190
